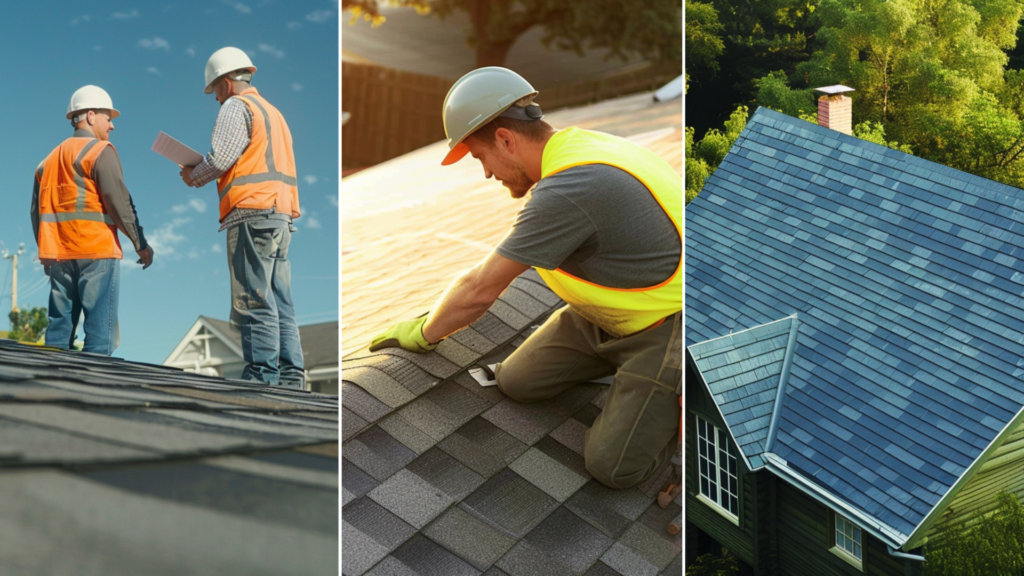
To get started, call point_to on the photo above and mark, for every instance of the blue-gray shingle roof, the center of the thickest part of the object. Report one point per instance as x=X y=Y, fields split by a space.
x=743 y=372
x=908 y=281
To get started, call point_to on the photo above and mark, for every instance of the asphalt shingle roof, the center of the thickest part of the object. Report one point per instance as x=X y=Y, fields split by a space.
x=443 y=476
x=113 y=467
x=908 y=281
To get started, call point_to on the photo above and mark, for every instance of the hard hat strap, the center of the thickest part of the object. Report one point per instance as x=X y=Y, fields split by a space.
x=525 y=113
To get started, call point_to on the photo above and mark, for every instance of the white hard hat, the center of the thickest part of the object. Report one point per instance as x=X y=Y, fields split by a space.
x=90 y=98
x=479 y=97
x=223 y=61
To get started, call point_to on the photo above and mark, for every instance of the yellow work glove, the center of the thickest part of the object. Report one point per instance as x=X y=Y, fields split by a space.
x=407 y=335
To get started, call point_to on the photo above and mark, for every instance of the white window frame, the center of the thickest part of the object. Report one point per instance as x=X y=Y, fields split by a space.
x=718 y=449
x=848 y=540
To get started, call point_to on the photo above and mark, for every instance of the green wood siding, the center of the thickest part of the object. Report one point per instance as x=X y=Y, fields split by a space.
x=738 y=539
x=804 y=539
x=1002 y=470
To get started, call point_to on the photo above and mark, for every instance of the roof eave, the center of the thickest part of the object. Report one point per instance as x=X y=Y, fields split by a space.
x=917 y=536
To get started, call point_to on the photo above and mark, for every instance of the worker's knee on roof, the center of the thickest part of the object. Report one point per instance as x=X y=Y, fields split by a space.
x=606 y=472
x=515 y=386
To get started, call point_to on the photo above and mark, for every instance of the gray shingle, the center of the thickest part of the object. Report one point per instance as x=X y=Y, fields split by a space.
x=610 y=511
x=445 y=473
x=483 y=447
x=510 y=315
x=406 y=433
x=431 y=362
x=524 y=303
x=355 y=482
x=362 y=403
x=475 y=341
x=468 y=537
x=561 y=545
x=410 y=498
x=571 y=434
x=456 y=353
x=377 y=453
x=426 y=558
x=491 y=327
x=380 y=385
x=640 y=545
x=441 y=411
x=554 y=478
x=510 y=502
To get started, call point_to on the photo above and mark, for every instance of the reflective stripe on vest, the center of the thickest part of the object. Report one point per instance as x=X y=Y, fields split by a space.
x=85 y=230
x=619 y=312
x=248 y=185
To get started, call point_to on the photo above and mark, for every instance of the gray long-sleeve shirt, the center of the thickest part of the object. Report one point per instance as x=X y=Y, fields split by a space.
x=109 y=178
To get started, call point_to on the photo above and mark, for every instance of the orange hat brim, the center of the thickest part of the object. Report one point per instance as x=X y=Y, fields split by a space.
x=455 y=154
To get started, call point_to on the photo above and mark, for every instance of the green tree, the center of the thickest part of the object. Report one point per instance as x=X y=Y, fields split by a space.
x=703 y=37
x=702 y=158
x=932 y=73
x=28 y=325
x=711 y=565
x=982 y=545
x=649 y=28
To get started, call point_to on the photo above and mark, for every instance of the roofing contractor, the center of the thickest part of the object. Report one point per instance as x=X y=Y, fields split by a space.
x=79 y=201
x=602 y=227
x=252 y=160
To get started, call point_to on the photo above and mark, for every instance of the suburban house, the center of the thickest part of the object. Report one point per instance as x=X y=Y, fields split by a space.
x=214 y=348
x=855 y=350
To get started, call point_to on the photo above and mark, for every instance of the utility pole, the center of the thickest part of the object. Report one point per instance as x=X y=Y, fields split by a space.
x=14 y=274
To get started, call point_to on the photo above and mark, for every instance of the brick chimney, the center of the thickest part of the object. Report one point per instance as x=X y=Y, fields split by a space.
x=835 y=110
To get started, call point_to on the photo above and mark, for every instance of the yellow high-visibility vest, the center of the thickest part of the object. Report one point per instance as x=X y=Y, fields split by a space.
x=619 y=312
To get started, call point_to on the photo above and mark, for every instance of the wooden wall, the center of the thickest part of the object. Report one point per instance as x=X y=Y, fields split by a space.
x=395 y=112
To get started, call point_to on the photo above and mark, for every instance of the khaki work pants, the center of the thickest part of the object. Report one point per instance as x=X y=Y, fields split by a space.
x=639 y=427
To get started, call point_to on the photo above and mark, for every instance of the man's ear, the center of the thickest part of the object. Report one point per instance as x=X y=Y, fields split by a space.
x=505 y=138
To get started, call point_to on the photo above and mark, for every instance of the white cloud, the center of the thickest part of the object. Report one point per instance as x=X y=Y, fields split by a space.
x=216 y=249
x=310 y=179
x=193 y=254
x=319 y=16
x=164 y=238
x=97 y=48
x=293 y=26
x=79 y=19
x=297 y=87
x=197 y=204
x=313 y=223
x=153 y=70
x=238 y=6
x=155 y=44
x=333 y=199
x=125 y=15
x=272 y=51
x=191 y=50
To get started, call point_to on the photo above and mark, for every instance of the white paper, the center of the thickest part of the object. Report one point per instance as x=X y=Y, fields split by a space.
x=176 y=151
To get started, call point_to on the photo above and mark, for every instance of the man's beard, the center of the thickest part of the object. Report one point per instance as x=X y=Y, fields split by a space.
x=520 y=184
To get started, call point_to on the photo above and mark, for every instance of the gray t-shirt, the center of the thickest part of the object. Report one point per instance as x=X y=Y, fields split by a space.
x=598 y=223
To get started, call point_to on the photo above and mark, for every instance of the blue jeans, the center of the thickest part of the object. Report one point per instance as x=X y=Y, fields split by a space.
x=89 y=286
x=261 y=302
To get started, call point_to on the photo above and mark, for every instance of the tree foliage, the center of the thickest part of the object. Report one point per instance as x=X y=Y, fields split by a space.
x=649 y=28
x=711 y=565
x=981 y=546
x=702 y=158
x=28 y=325
x=703 y=38
x=932 y=72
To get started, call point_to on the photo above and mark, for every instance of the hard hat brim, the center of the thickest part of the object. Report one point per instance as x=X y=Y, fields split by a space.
x=455 y=154
x=209 y=87
x=113 y=113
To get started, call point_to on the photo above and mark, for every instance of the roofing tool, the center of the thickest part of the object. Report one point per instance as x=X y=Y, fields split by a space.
x=484 y=375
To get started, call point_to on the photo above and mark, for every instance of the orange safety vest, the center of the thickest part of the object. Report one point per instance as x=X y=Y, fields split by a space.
x=73 y=222
x=618 y=311
x=264 y=175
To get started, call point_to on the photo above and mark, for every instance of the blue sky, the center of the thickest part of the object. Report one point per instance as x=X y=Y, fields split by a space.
x=150 y=57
